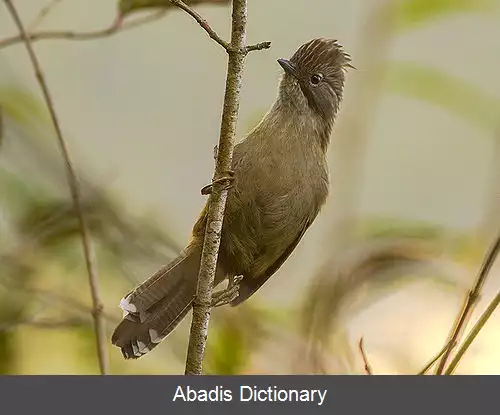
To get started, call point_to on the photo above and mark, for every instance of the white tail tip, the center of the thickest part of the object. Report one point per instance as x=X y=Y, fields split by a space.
x=135 y=350
x=153 y=334
x=142 y=347
x=125 y=305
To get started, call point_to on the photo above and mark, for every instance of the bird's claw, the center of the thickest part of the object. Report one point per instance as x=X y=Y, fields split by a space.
x=224 y=297
x=227 y=180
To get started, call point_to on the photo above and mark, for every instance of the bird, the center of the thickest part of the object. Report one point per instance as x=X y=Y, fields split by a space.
x=280 y=183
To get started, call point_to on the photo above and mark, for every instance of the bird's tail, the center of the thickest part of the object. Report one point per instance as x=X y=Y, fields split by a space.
x=155 y=308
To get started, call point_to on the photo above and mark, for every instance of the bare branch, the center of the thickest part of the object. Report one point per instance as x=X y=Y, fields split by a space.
x=470 y=302
x=368 y=368
x=217 y=202
x=45 y=323
x=65 y=302
x=473 y=334
x=43 y=14
x=258 y=46
x=75 y=195
x=58 y=324
x=431 y=363
x=116 y=27
x=202 y=22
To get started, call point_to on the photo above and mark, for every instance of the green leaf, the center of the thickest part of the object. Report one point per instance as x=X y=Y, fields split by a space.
x=22 y=106
x=128 y=6
x=450 y=93
x=357 y=278
x=20 y=193
x=410 y=13
x=387 y=227
x=25 y=109
x=236 y=334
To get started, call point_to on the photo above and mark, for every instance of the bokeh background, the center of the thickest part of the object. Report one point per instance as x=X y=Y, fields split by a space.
x=415 y=196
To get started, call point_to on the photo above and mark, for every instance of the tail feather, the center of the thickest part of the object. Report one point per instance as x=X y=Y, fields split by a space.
x=163 y=283
x=158 y=305
x=136 y=338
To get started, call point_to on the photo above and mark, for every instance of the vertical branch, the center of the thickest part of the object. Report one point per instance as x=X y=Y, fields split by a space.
x=433 y=361
x=473 y=333
x=469 y=304
x=368 y=368
x=217 y=203
x=97 y=309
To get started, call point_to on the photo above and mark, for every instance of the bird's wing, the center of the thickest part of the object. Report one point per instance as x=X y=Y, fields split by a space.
x=248 y=286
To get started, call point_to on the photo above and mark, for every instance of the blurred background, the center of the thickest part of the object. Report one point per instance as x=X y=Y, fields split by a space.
x=415 y=193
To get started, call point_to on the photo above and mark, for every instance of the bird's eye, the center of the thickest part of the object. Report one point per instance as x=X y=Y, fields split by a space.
x=316 y=79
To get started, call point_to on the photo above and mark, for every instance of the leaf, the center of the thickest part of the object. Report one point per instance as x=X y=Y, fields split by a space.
x=235 y=335
x=22 y=106
x=376 y=227
x=450 y=93
x=52 y=224
x=371 y=271
x=459 y=246
x=20 y=193
x=128 y=6
x=411 y=13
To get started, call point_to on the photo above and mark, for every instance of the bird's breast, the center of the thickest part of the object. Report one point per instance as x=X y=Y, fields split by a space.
x=285 y=184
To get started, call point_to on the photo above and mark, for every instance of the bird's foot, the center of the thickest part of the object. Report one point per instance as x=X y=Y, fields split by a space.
x=227 y=180
x=223 y=297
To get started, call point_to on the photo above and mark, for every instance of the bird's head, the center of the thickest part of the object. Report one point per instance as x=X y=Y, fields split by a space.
x=314 y=78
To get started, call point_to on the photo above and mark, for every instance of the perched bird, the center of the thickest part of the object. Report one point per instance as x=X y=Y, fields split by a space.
x=280 y=184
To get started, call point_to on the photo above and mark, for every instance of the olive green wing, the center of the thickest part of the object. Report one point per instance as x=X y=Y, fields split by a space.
x=249 y=285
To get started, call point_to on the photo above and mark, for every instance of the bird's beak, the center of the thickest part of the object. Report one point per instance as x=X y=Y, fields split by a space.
x=288 y=67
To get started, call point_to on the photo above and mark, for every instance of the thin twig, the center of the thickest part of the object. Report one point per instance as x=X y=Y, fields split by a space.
x=45 y=324
x=217 y=202
x=431 y=363
x=470 y=301
x=116 y=27
x=473 y=334
x=258 y=46
x=67 y=303
x=75 y=195
x=44 y=12
x=202 y=22
x=368 y=368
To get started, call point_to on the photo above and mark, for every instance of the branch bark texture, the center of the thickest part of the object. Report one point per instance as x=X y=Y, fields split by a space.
x=468 y=307
x=218 y=197
x=464 y=316
x=473 y=334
